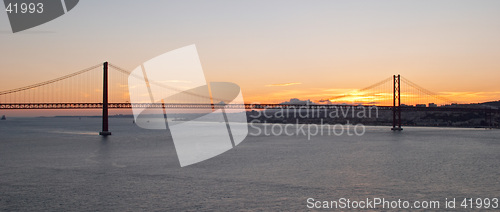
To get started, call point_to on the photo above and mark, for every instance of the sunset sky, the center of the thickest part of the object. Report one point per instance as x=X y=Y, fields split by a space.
x=275 y=50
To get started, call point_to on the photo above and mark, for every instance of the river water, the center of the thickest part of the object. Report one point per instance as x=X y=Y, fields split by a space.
x=62 y=164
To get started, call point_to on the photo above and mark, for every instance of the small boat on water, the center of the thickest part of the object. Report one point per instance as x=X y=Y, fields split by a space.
x=3 y=118
x=180 y=119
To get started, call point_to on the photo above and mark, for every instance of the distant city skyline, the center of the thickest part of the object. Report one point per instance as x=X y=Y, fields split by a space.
x=275 y=50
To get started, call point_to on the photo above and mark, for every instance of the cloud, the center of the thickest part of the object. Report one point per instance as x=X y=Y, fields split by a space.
x=284 y=84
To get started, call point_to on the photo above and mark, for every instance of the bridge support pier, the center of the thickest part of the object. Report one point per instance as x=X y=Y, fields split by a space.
x=396 y=108
x=105 y=130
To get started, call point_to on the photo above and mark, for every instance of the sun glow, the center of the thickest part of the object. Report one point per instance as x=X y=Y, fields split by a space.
x=363 y=98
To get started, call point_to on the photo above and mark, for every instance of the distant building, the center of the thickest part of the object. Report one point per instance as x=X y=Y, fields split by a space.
x=432 y=105
x=295 y=101
x=421 y=105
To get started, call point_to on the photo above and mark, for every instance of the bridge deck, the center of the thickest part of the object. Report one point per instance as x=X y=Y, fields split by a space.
x=19 y=106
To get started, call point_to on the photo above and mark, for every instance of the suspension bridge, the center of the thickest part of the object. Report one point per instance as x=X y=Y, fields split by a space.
x=105 y=86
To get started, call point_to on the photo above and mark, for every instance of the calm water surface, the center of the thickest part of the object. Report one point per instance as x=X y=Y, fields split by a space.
x=62 y=164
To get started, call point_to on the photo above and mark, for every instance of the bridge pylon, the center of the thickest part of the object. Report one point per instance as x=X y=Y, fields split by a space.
x=105 y=124
x=396 y=108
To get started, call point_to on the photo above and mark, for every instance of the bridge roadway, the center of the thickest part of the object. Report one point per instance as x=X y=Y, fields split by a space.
x=18 y=106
